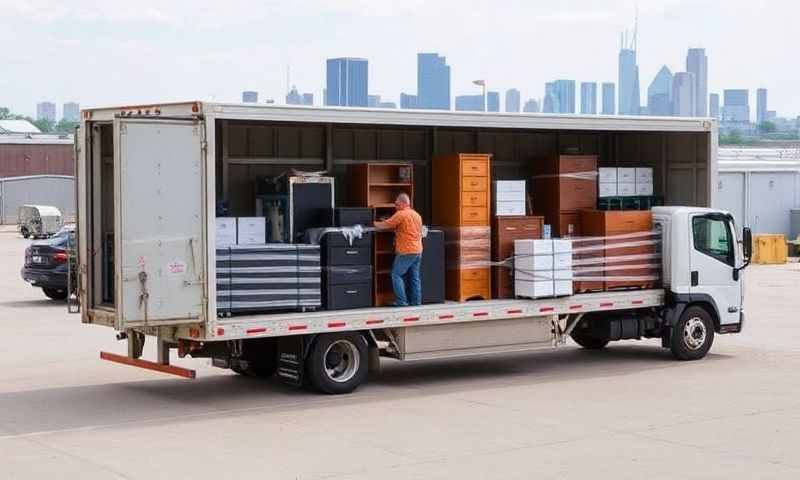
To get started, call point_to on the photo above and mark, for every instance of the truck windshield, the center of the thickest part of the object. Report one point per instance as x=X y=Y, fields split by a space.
x=713 y=238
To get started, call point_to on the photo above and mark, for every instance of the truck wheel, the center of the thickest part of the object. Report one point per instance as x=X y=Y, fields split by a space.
x=338 y=363
x=588 y=342
x=693 y=335
x=54 y=293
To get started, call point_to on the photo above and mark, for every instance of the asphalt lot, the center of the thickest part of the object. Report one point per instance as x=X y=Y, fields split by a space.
x=627 y=412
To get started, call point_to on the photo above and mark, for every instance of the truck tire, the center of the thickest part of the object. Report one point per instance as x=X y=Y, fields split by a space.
x=588 y=342
x=693 y=335
x=54 y=293
x=338 y=363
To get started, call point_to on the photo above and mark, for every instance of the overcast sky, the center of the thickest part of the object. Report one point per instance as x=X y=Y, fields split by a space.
x=109 y=52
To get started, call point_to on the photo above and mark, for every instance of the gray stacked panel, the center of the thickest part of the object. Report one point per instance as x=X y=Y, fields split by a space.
x=223 y=281
x=269 y=277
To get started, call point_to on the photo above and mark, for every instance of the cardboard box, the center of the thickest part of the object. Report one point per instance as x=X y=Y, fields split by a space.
x=533 y=289
x=251 y=230
x=626 y=175
x=516 y=208
x=607 y=190
x=562 y=245
x=627 y=189
x=533 y=247
x=644 y=175
x=507 y=186
x=607 y=175
x=562 y=261
x=644 y=189
x=226 y=231
x=562 y=288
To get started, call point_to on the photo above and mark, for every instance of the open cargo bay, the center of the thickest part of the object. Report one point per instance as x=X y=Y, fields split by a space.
x=217 y=151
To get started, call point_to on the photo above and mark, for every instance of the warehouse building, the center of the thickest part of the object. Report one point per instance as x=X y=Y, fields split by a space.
x=35 y=168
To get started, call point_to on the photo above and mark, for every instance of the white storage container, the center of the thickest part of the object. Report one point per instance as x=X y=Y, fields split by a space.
x=508 y=186
x=626 y=175
x=644 y=175
x=562 y=245
x=607 y=175
x=626 y=189
x=562 y=288
x=645 y=189
x=504 y=209
x=533 y=246
x=251 y=230
x=534 y=289
x=562 y=261
x=607 y=190
x=226 y=231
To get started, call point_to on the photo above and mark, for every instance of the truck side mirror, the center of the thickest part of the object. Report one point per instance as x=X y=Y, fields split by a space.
x=747 y=244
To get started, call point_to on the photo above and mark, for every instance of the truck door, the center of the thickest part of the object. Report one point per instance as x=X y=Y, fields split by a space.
x=160 y=240
x=713 y=260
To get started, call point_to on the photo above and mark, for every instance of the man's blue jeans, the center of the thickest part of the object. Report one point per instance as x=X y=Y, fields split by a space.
x=405 y=272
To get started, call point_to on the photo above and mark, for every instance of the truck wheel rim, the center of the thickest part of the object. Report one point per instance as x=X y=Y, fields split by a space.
x=694 y=333
x=341 y=361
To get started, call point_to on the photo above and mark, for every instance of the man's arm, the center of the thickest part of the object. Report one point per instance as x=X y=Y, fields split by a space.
x=390 y=223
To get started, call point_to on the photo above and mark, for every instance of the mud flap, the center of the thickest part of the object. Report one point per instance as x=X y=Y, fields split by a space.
x=291 y=353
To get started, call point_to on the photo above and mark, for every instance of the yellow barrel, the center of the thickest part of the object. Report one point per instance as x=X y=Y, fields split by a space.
x=769 y=249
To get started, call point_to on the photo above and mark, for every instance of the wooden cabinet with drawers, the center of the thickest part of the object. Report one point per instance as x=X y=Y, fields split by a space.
x=629 y=226
x=504 y=231
x=563 y=185
x=461 y=199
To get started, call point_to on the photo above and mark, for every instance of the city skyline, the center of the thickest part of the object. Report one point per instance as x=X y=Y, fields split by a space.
x=200 y=66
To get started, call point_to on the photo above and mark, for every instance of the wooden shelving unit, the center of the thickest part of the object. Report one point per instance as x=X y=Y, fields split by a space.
x=376 y=185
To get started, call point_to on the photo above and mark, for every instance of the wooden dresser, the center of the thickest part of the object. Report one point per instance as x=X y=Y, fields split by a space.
x=608 y=223
x=562 y=186
x=461 y=204
x=504 y=231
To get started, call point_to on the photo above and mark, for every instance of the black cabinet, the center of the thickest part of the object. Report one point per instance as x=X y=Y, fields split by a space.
x=347 y=271
x=432 y=267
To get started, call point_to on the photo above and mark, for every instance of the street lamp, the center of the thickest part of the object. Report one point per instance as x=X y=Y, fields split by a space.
x=482 y=83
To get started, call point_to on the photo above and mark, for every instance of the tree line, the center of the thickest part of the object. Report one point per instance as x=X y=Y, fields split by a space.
x=43 y=124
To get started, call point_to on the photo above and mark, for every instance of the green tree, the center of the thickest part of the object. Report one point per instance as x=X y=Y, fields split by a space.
x=767 y=127
x=66 y=126
x=45 y=125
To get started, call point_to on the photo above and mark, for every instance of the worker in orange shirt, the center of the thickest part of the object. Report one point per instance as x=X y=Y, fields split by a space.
x=407 y=225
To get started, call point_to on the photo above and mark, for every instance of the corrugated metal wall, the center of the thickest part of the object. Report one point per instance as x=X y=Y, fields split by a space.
x=35 y=159
x=58 y=191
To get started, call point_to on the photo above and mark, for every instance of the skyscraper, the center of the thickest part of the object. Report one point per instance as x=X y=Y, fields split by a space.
x=408 y=100
x=659 y=93
x=531 y=106
x=433 y=82
x=469 y=103
x=512 y=100
x=492 y=101
x=347 y=82
x=629 y=96
x=736 y=108
x=684 y=97
x=565 y=92
x=761 y=106
x=713 y=105
x=697 y=65
x=71 y=112
x=46 y=111
x=249 y=96
x=589 y=98
x=608 y=99
x=550 y=102
x=296 y=98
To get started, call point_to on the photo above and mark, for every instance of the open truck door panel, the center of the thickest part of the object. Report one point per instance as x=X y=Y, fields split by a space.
x=160 y=221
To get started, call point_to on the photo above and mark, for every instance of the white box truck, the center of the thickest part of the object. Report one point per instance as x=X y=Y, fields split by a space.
x=151 y=176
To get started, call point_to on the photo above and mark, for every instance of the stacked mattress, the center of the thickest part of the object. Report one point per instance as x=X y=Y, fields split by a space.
x=259 y=278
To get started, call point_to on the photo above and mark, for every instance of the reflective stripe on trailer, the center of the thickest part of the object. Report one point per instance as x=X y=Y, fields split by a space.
x=284 y=324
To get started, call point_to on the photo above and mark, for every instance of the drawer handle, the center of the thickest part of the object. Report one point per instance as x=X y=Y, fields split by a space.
x=351 y=292
x=511 y=228
x=351 y=252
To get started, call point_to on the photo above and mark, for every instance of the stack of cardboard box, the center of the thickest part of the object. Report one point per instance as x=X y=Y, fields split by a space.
x=542 y=268
x=625 y=182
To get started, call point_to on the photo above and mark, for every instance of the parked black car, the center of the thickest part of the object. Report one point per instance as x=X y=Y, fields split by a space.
x=46 y=263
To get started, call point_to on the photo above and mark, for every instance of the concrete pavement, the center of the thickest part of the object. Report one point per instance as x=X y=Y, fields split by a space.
x=627 y=412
